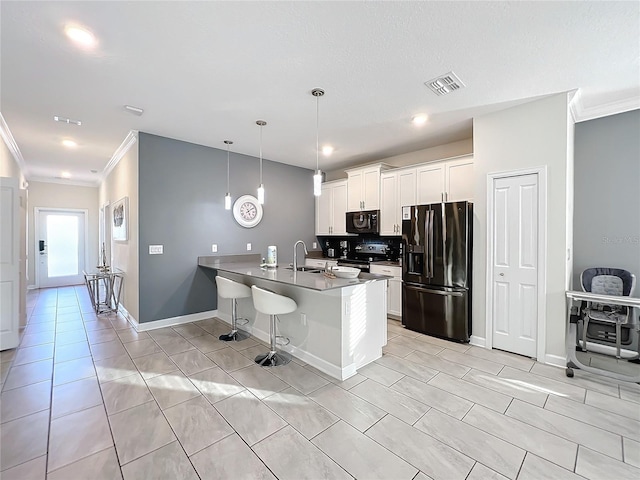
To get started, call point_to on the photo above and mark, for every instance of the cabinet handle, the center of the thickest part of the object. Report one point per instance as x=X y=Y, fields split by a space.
x=446 y=196
x=442 y=197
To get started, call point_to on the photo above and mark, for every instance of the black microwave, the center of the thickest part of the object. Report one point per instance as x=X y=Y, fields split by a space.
x=363 y=222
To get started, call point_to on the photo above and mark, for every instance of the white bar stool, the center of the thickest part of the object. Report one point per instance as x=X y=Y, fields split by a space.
x=233 y=290
x=272 y=304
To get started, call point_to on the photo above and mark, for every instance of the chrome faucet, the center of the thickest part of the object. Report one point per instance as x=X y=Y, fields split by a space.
x=295 y=254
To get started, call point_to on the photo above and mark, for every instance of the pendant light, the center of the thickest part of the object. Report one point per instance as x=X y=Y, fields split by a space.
x=317 y=177
x=227 y=197
x=261 y=123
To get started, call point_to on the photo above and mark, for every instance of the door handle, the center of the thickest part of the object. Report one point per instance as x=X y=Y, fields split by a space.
x=438 y=292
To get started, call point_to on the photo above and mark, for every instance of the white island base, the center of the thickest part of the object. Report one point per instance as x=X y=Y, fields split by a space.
x=337 y=330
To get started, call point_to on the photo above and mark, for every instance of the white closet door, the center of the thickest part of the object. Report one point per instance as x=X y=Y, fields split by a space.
x=515 y=264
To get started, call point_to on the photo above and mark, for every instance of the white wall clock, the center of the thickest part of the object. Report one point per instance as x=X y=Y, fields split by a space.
x=247 y=211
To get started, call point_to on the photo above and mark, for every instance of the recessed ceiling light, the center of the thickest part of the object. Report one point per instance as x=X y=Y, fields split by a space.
x=327 y=150
x=69 y=143
x=80 y=36
x=419 y=119
x=65 y=174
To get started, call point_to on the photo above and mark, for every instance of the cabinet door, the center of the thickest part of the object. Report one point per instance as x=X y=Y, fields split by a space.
x=354 y=191
x=430 y=179
x=323 y=211
x=406 y=190
x=371 y=188
x=394 y=297
x=388 y=204
x=459 y=180
x=339 y=209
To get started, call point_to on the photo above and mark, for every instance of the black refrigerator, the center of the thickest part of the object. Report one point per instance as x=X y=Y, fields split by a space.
x=436 y=269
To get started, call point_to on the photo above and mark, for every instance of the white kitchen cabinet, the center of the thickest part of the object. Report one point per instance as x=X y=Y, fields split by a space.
x=449 y=181
x=459 y=180
x=397 y=189
x=363 y=188
x=320 y=262
x=331 y=207
x=394 y=287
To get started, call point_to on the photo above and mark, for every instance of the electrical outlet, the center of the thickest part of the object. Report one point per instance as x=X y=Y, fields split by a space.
x=248 y=247
x=156 y=250
x=214 y=248
x=315 y=244
x=303 y=318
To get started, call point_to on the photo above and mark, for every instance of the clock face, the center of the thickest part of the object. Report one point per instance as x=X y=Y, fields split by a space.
x=247 y=211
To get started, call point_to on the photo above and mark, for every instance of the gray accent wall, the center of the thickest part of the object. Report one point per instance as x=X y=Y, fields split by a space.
x=607 y=194
x=181 y=196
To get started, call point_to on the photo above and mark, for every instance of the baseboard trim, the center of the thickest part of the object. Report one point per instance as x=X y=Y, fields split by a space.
x=169 y=322
x=322 y=365
x=478 y=341
x=555 y=360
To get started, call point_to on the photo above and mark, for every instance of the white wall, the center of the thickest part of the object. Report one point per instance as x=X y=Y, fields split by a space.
x=447 y=150
x=55 y=195
x=530 y=135
x=121 y=182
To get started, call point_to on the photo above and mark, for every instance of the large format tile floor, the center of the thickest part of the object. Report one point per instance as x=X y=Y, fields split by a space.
x=86 y=397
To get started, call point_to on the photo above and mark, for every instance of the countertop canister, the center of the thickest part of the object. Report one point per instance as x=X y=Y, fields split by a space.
x=272 y=256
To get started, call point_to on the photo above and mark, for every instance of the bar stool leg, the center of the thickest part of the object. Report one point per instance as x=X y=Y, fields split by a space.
x=234 y=335
x=273 y=358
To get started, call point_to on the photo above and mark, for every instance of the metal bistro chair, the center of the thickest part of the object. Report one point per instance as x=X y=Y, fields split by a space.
x=606 y=322
x=233 y=290
x=272 y=304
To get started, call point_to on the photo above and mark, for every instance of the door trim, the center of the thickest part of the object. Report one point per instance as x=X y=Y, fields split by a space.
x=36 y=234
x=541 y=172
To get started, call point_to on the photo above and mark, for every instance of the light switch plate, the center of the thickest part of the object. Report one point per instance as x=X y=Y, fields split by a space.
x=156 y=249
x=214 y=248
x=315 y=244
x=248 y=247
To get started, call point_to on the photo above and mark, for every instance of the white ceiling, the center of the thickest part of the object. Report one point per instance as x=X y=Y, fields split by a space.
x=206 y=71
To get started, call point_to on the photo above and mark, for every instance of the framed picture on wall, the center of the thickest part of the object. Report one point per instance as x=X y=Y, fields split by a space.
x=120 y=222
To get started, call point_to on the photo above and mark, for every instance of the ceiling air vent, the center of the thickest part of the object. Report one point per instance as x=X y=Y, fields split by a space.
x=447 y=83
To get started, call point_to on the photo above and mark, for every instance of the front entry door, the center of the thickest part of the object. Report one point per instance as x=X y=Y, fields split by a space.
x=60 y=247
x=515 y=264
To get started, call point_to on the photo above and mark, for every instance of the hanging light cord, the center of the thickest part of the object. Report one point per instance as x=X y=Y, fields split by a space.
x=228 y=143
x=261 y=153
x=317 y=131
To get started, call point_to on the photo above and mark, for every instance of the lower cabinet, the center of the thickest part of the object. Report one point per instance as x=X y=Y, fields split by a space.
x=394 y=287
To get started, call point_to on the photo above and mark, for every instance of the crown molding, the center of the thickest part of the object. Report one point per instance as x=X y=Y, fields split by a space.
x=64 y=181
x=120 y=152
x=581 y=113
x=11 y=144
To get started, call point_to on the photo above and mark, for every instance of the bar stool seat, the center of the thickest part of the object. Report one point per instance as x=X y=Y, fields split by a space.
x=233 y=290
x=272 y=304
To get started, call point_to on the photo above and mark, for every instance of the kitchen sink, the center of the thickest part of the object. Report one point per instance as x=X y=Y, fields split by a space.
x=307 y=269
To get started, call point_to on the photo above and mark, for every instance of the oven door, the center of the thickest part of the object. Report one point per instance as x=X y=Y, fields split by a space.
x=363 y=266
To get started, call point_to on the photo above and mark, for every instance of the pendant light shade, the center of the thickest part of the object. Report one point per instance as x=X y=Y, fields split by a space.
x=227 y=197
x=261 y=123
x=317 y=177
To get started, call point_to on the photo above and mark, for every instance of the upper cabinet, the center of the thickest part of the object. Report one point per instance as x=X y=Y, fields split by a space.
x=363 y=188
x=448 y=181
x=397 y=189
x=331 y=208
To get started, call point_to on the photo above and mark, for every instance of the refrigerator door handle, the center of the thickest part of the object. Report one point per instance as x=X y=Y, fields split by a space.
x=437 y=292
x=426 y=243
x=432 y=214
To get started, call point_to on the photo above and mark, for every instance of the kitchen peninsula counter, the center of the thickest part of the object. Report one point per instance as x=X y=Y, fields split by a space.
x=340 y=324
